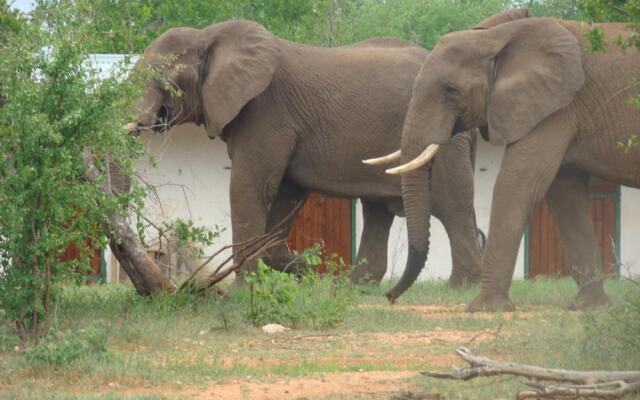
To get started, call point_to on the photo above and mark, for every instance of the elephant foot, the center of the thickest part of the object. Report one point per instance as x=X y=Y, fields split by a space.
x=491 y=302
x=589 y=296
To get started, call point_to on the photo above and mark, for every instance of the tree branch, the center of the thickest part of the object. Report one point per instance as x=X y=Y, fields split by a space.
x=567 y=383
x=145 y=275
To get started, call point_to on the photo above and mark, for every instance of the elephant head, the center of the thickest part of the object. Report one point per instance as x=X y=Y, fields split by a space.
x=503 y=79
x=207 y=75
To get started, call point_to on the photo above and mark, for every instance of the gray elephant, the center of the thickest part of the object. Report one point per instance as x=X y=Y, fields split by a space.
x=297 y=118
x=561 y=110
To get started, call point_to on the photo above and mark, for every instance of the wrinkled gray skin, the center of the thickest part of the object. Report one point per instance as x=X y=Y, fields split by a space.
x=560 y=110
x=297 y=119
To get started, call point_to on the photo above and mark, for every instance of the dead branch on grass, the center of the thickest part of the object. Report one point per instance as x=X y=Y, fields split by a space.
x=548 y=382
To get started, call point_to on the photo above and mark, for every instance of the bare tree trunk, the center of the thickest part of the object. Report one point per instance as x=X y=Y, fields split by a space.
x=145 y=275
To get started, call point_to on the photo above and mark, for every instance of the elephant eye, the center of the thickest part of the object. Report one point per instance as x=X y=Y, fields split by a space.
x=451 y=90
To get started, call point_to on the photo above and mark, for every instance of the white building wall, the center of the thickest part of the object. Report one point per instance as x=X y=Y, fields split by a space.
x=192 y=182
x=630 y=231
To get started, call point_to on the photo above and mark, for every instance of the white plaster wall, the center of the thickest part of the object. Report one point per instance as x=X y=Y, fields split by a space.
x=630 y=231
x=192 y=179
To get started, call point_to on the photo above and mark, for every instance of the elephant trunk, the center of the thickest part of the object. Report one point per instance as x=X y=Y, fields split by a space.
x=422 y=135
x=416 y=196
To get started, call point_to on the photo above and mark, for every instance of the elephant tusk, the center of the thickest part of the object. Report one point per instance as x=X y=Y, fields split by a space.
x=384 y=159
x=417 y=162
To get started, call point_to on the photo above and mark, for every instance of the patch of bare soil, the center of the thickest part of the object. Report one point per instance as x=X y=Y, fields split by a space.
x=314 y=387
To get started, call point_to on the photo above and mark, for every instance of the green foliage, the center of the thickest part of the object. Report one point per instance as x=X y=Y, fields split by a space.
x=10 y=21
x=61 y=348
x=597 y=40
x=611 y=10
x=614 y=11
x=128 y=26
x=564 y=9
x=8 y=340
x=615 y=331
x=313 y=300
x=420 y=21
x=311 y=256
x=56 y=111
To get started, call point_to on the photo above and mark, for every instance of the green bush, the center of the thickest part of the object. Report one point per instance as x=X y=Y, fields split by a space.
x=57 y=111
x=614 y=332
x=313 y=300
x=64 y=347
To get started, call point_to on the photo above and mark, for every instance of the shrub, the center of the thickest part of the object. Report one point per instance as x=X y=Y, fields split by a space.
x=614 y=332
x=56 y=111
x=312 y=300
x=64 y=347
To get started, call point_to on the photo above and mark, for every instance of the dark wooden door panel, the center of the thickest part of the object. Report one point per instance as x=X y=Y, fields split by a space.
x=326 y=221
x=546 y=253
x=72 y=252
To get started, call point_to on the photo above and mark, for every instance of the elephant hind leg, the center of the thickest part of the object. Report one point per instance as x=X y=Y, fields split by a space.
x=373 y=243
x=568 y=200
x=290 y=196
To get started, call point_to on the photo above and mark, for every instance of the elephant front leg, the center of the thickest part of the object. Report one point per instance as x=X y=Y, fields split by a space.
x=568 y=199
x=373 y=243
x=528 y=168
x=251 y=196
x=290 y=197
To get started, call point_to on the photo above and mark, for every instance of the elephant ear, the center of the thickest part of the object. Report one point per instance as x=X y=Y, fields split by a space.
x=537 y=71
x=502 y=17
x=240 y=58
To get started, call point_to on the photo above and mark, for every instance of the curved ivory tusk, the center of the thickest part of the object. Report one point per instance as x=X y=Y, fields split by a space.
x=384 y=159
x=417 y=162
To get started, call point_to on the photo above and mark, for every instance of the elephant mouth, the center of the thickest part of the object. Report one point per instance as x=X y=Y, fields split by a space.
x=159 y=123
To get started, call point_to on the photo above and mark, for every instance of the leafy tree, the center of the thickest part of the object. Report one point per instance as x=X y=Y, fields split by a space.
x=421 y=21
x=10 y=21
x=565 y=9
x=613 y=11
x=128 y=26
x=56 y=112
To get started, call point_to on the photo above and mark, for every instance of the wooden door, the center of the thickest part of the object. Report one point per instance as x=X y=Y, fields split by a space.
x=94 y=274
x=326 y=221
x=545 y=250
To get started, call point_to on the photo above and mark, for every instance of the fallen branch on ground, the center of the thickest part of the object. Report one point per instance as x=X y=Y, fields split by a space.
x=548 y=382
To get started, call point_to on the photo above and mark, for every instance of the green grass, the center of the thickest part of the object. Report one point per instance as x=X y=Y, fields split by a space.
x=176 y=343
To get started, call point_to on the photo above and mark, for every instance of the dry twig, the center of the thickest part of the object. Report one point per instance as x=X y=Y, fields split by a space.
x=548 y=382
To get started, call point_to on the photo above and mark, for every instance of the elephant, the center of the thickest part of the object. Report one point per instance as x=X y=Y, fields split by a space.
x=297 y=118
x=559 y=109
